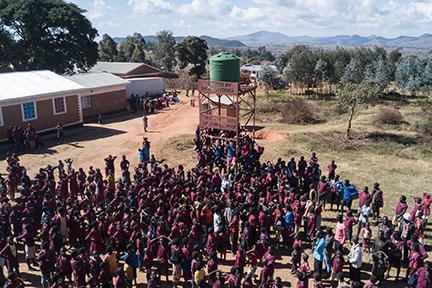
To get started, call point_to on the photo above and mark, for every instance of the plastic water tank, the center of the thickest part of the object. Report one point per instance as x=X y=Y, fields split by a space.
x=225 y=67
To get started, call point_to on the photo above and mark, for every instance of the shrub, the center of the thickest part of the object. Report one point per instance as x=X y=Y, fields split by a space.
x=268 y=107
x=425 y=127
x=389 y=116
x=299 y=111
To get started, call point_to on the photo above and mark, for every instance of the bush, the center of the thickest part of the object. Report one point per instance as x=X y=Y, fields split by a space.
x=389 y=116
x=425 y=127
x=299 y=111
x=268 y=107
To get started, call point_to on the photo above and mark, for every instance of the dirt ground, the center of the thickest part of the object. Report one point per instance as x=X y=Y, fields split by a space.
x=122 y=135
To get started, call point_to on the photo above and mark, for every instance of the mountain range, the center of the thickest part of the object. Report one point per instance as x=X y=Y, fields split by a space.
x=277 y=40
x=211 y=41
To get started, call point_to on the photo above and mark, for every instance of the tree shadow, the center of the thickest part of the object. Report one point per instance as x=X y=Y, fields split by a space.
x=390 y=137
x=250 y=128
x=72 y=137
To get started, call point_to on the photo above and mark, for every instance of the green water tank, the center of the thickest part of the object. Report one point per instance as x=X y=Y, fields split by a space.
x=225 y=67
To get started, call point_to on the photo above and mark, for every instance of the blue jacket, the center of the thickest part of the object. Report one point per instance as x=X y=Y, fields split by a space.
x=349 y=192
x=289 y=220
x=318 y=251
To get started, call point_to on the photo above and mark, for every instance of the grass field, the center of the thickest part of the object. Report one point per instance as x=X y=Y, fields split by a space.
x=397 y=157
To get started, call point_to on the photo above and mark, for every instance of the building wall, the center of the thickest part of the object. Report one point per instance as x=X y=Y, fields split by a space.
x=46 y=119
x=108 y=102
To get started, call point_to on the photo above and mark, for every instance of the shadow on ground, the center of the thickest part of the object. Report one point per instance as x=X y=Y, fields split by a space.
x=72 y=137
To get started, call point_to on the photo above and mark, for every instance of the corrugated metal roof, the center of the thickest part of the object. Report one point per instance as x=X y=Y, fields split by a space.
x=256 y=68
x=94 y=80
x=118 y=68
x=34 y=83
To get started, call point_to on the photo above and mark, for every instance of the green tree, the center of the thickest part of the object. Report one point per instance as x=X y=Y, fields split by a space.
x=192 y=50
x=268 y=77
x=353 y=95
x=303 y=62
x=393 y=59
x=6 y=51
x=409 y=74
x=165 y=52
x=46 y=34
x=138 y=56
x=132 y=49
x=353 y=72
x=107 y=49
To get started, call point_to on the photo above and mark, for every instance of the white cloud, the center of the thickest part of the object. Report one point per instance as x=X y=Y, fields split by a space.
x=206 y=8
x=98 y=9
x=152 y=6
x=293 y=16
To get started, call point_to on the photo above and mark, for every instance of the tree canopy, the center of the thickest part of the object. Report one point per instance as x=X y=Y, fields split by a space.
x=107 y=49
x=353 y=95
x=192 y=50
x=45 y=34
x=132 y=49
x=165 y=51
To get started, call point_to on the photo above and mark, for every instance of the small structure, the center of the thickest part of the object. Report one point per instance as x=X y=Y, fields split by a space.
x=106 y=93
x=224 y=106
x=151 y=87
x=127 y=69
x=143 y=79
x=225 y=102
x=40 y=98
x=253 y=71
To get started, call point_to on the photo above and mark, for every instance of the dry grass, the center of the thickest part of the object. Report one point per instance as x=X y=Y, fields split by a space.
x=179 y=150
x=397 y=157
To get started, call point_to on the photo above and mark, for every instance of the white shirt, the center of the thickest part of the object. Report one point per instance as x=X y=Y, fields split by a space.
x=355 y=256
x=217 y=222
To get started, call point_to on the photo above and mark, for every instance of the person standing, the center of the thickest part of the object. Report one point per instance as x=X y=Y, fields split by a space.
x=60 y=133
x=377 y=200
x=318 y=252
x=355 y=260
x=145 y=123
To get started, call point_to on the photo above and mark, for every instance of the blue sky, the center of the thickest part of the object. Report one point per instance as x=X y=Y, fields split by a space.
x=224 y=18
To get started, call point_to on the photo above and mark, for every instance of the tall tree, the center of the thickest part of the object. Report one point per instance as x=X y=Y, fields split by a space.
x=408 y=74
x=138 y=55
x=107 y=49
x=132 y=49
x=353 y=95
x=6 y=51
x=47 y=34
x=192 y=50
x=353 y=72
x=393 y=59
x=268 y=77
x=165 y=52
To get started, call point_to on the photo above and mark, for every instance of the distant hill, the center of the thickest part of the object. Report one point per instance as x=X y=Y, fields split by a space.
x=275 y=39
x=211 y=41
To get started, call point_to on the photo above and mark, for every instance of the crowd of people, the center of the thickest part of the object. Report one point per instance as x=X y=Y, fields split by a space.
x=149 y=105
x=93 y=228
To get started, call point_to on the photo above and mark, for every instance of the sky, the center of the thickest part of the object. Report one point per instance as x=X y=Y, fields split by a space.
x=225 y=18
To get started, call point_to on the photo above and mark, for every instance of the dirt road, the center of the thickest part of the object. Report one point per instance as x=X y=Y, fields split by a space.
x=119 y=135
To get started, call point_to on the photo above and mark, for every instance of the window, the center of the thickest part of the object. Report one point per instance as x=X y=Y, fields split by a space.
x=1 y=117
x=29 y=111
x=86 y=102
x=59 y=105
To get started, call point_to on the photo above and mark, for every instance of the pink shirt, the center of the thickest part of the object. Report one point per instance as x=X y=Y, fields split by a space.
x=340 y=232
